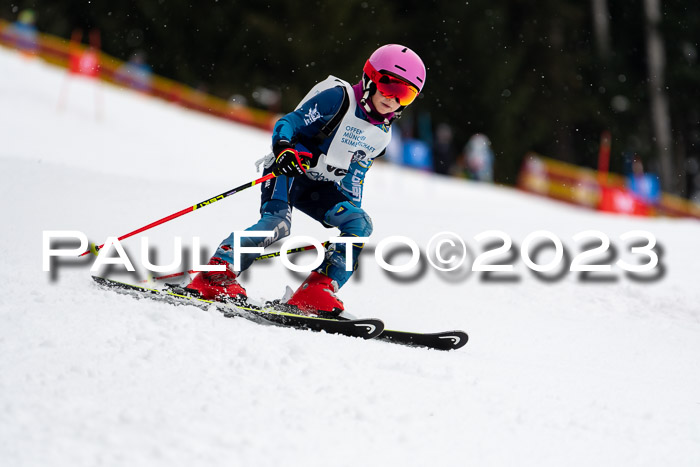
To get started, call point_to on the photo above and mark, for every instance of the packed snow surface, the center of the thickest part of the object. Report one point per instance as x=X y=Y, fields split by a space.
x=561 y=369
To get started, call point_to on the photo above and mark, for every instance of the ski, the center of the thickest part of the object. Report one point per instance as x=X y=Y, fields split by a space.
x=447 y=340
x=363 y=328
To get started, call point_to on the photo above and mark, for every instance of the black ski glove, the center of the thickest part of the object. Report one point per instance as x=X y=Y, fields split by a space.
x=289 y=161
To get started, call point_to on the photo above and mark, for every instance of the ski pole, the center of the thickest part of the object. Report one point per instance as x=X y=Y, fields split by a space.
x=259 y=258
x=293 y=250
x=95 y=249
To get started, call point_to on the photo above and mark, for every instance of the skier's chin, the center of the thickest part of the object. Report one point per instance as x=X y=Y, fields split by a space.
x=385 y=110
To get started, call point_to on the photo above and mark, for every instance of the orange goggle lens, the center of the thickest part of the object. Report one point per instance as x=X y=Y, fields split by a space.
x=396 y=89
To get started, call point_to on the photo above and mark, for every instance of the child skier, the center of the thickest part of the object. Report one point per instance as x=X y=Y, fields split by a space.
x=321 y=153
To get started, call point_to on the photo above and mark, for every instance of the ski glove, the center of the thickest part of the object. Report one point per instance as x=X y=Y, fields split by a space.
x=289 y=161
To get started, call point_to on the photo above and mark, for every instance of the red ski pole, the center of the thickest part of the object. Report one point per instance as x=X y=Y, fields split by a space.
x=95 y=249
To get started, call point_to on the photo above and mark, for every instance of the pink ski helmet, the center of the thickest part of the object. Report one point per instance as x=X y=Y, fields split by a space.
x=391 y=67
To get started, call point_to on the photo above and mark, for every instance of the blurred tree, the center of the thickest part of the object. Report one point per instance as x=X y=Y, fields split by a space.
x=601 y=27
x=660 y=114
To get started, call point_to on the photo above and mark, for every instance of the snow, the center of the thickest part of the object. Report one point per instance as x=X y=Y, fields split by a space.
x=561 y=372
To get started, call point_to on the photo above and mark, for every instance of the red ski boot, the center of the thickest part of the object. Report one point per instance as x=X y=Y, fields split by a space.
x=217 y=285
x=317 y=296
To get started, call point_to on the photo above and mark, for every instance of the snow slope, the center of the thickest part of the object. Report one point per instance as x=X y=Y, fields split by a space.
x=557 y=372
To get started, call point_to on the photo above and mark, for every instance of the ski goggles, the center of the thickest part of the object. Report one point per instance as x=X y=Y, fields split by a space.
x=390 y=86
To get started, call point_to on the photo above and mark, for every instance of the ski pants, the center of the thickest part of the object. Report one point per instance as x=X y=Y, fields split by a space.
x=321 y=201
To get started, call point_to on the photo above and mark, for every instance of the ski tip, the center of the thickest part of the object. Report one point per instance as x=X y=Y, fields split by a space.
x=446 y=340
x=368 y=328
x=453 y=340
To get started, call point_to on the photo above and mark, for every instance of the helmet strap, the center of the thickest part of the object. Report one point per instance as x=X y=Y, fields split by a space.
x=368 y=88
